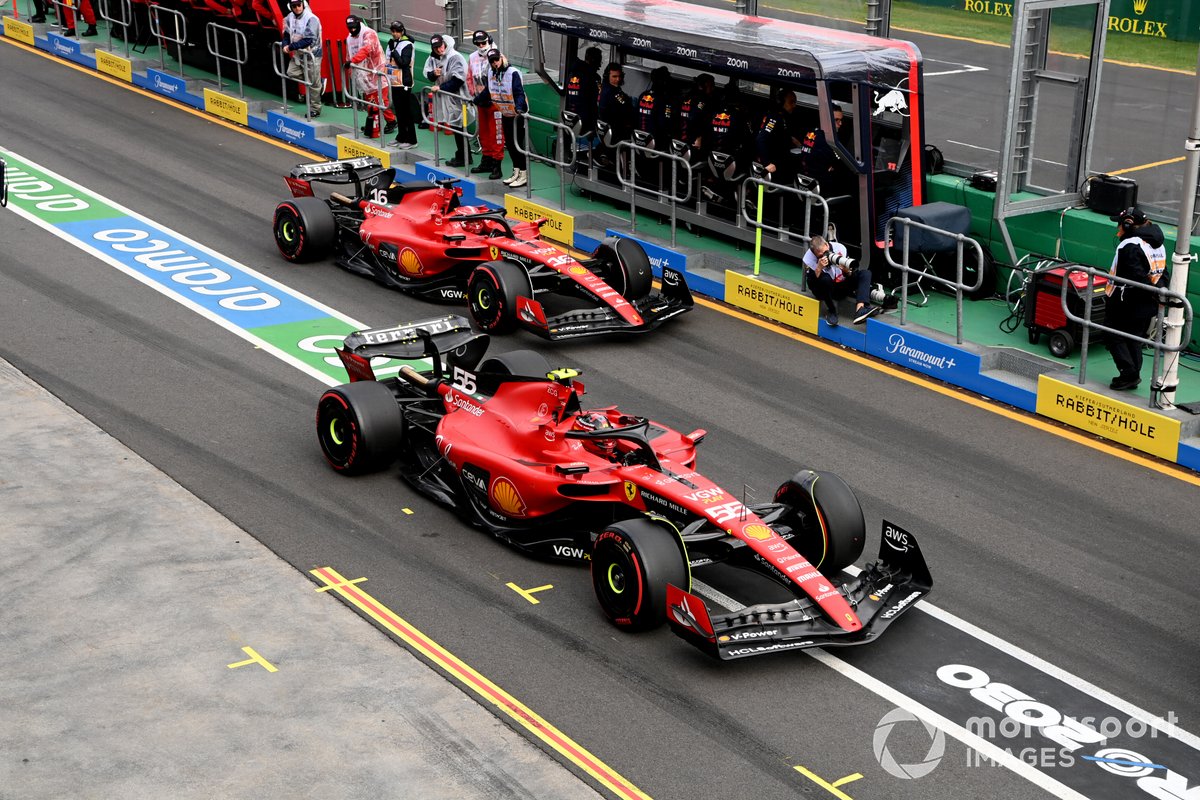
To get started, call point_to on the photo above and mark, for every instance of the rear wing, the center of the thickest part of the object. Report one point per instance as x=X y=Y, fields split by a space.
x=450 y=335
x=362 y=173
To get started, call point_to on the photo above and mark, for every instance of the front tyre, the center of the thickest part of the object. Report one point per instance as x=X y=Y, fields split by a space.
x=359 y=427
x=627 y=267
x=492 y=293
x=632 y=563
x=826 y=518
x=304 y=229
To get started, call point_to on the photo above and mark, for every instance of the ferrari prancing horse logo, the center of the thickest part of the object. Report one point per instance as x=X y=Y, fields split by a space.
x=494 y=252
x=631 y=491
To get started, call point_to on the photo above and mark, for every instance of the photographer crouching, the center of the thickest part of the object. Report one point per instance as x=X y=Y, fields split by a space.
x=832 y=275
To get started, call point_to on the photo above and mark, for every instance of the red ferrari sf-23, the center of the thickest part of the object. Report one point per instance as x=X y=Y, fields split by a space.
x=416 y=237
x=507 y=443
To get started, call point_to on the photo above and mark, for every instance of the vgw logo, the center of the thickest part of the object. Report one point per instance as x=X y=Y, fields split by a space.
x=917 y=769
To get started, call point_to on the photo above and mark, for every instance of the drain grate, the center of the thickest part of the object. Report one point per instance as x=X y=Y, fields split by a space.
x=1019 y=362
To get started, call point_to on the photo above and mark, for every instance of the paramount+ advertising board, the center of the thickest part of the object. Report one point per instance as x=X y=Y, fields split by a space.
x=1156 y=19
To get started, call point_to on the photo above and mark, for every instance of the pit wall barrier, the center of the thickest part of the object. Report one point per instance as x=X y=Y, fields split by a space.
x=924 y=352
x=1089 y=236
x=1071 y=404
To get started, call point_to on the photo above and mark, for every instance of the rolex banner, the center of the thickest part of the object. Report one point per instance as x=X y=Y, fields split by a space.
x=1155 y=19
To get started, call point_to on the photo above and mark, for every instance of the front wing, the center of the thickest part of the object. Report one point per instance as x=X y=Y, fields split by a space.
x=879 y=595
x=655 y=309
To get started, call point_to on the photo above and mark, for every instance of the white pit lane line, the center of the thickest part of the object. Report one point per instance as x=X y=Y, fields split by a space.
x=962 y=70
x=989 y=750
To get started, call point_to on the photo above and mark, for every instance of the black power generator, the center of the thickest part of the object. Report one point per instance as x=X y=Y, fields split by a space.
x=1044 y=307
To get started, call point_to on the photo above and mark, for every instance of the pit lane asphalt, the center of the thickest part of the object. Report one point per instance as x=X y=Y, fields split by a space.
x=129 y=604
x=1025 y=532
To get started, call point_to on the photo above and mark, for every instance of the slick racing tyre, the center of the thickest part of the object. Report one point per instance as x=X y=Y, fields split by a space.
x=518 y=364
x=304 y=229
x=359 y=427
x=826 y=517
x=632 y=563
x=627 y=268
x=492 y=293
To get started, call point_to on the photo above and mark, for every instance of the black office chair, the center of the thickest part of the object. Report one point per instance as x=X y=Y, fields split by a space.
x=925 y=247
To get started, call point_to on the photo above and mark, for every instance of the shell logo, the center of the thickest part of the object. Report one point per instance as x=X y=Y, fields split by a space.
x=506 y=498
x=577 y=270
x=757 y=532
x=410 y=262
x=493 y=252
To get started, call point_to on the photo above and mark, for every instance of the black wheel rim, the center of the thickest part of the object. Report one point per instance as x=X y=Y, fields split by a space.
x=287 y=232
x=485 y=302
x=336 y=431
x=617 y=582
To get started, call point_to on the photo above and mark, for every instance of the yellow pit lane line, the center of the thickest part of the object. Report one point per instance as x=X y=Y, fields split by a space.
x=477 y=683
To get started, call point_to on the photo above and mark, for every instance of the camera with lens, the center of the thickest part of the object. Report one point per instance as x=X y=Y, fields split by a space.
x=836 y=260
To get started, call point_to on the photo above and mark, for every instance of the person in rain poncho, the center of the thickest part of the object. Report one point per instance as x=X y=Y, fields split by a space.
x=446 y=69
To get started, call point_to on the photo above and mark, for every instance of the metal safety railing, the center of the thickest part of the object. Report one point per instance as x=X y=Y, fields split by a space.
x=178 y=24
x=213 y=37
x=279 y=64
x=61 y=9
x=559 y=161
x=1165 y=297
x=125 y=20
x=360 y=97
x=913 y=276
x=812 y=200
x=670 y=196
x=429 y=97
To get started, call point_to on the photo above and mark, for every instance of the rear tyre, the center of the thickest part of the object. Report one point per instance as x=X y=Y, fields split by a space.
x=518 y=364
x=627 y=267
x=304 y=229
x=827 y=519
x=632 y=563
x=1061 y=343
x=492 y=294
x=359 y=427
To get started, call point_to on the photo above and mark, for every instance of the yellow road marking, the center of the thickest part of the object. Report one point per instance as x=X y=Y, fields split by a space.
x=1175 y=160
x=196 y=112
x=254 y=658
x=481 y=686
x=832 y=787
x=1174 y=471
x=1134 y=64
x=347 y=583
x=528 y=593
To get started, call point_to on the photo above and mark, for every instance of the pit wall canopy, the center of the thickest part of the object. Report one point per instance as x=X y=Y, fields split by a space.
x=773 y=51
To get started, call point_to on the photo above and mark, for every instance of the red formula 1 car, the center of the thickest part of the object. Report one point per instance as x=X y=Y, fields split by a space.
x=506 y=442
x=417 y=237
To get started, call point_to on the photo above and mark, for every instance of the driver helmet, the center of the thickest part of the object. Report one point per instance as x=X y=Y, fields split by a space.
x=595 y=421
